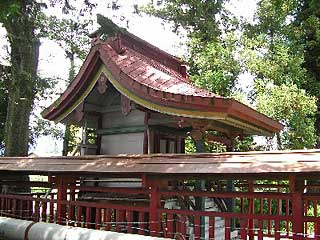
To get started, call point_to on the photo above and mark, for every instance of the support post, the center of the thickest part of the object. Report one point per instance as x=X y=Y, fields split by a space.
x=251 y=209
x=296 y=188
x=230 y=188
x=200 y=184
x=154 y=215
x=155 y=202
x=61 y=196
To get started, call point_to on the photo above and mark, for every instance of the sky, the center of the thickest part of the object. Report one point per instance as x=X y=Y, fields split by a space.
x=52 y=61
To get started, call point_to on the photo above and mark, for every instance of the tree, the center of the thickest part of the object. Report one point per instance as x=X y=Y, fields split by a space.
x=212 y=40
x=19 y=20
x=212 y=46
x=72 y=36
x=308 y=22
x=4 y=81
x=22 y=20
x=295 y=109
x=274 y=56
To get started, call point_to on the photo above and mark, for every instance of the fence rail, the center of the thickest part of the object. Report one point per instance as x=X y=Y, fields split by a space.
x=278 y=211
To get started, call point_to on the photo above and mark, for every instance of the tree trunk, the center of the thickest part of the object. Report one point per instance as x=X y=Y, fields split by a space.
x=22 y=88
x=317 y=123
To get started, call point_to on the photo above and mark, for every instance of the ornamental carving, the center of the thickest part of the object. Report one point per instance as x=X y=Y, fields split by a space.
x=125 y=105
x=102 y=84
x=79 y=112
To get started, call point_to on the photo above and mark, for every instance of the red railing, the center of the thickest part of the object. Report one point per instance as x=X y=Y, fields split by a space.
x=278 y=214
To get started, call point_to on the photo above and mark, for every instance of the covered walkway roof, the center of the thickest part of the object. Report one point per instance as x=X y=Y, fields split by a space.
x=279 y=162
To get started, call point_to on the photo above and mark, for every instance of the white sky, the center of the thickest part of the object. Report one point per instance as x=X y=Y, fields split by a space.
x=52 y=61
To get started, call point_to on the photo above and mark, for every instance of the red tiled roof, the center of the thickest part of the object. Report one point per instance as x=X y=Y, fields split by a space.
x=156 y=78
x=153 y=74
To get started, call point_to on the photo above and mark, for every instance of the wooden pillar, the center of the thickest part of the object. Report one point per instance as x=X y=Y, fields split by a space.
x=200 y=184
x=145 y=135
x=251 y=209
x=296 y=188
x=155 y=204
x=230 y=188
x=61 y=196
x=154 y=217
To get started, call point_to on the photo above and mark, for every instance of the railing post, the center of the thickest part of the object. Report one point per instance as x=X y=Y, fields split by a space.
x=296 y=188
x=61 y=196
x=251 y=209
x=200 y=202
x=155 y=202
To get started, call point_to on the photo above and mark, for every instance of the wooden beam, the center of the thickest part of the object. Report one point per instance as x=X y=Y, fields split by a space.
x=169 y=130
x=120 y=130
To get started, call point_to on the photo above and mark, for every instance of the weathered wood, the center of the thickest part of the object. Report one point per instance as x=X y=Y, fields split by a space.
x=120 y=130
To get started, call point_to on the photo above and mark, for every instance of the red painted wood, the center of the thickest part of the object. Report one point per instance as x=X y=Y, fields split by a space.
x=251 y=209
x=154 y=215
x=269 y=213
x=243 y=228
x=8 y=206
x=98 y=218
x=287 y=214
x=305 y=206
x=44 y=211
x=88 y=223
x=228 y=194
x=21 y=208
x=61 y=196
x=297 y=212
x=141 y=224
x=119 y=220
x=133 y=191
x=29 y=210
x=2 y=206
x=227 y=234
x=71 y=208
x=211 y=228
x=107 y=219
x=129 y=221
x=79 y=216
x=14 y=208
x=277 y=230
x=52 y=213
x=197 y=228
x=317 y=229
x=36 y=212
x=260 y=231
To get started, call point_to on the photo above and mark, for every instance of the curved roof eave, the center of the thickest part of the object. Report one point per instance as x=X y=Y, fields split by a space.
x=201 y=105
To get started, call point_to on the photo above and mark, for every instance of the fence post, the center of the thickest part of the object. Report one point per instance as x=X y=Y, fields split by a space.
x=155 y=198
x=251 y=209
x=296 y=188
x=61 y=196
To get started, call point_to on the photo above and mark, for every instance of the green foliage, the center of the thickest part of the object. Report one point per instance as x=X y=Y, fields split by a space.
x=274 y=54
x=308 y=24
x=295 y=109
x=189 y=145
x=71 y=35
x=213 y=65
